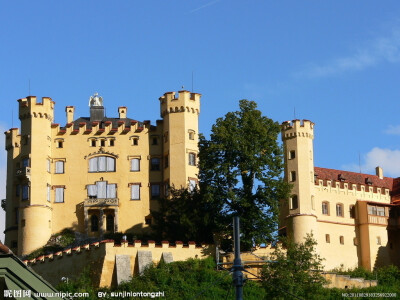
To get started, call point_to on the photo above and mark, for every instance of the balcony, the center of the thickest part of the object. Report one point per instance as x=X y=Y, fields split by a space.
x=100 y=202
x=381 y=220
x=24 y=172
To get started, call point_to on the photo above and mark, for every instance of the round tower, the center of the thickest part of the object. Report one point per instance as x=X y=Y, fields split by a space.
x=34 y=177
x=180 y=113
x=298 y=212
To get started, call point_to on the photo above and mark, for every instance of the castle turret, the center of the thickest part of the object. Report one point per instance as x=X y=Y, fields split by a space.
x=180 y=134
x=298 y=212
x=33 y=177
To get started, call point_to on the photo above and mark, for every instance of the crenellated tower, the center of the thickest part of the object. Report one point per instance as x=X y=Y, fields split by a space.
x=298 y=212
x=30 y=151
x=180 y=113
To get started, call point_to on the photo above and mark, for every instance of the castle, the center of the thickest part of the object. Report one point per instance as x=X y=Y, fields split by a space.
x=355 y=218
x=95 y=174
x=98 y=174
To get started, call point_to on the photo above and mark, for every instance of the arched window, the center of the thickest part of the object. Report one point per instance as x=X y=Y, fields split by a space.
x=339 y=210
x=110 y=223
x=325 y=208
x=94 y=220
x=102 y=164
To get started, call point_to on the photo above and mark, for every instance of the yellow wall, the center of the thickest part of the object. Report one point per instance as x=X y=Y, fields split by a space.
x=359 y=234
x=100 y=257
x=39 y=140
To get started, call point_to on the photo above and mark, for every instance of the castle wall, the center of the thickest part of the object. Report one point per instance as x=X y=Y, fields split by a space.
x=57 y=177
x=101 y=259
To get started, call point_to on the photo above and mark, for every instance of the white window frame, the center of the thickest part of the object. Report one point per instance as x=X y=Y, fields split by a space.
x=59 y=195
x=135 y=168
x=59 y=167
x=135 y=191
x=101 y=164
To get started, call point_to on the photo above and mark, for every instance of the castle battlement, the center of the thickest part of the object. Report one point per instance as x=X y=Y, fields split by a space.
x=362 y=191
x=297 y=128
x=92 y=246
x=29 y=107
x=184 y=101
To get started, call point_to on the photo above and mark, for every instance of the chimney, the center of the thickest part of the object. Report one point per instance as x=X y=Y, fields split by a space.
x=96 y=113
x=379 y=172
x=122 y=112
x=70 y=113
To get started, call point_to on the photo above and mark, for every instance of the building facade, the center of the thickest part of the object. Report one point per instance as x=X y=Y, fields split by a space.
x=354 y=217
x=95 y=174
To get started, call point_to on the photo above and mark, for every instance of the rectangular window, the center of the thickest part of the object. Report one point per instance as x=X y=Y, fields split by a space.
x=135 y=192
x=111 y=143
x=111 y=191
x=93 y=143
x=101 y=189
x=327 y=238
x=192 y=184
x=154 y=141
x=341 y=239
x=376 y=210
x=102 y=143
x=92 y=191
x=378 y=240
x=191 y=134
x=293 y=176
x=292 y=154
x=48 y=193
x=48 y=165
x=59 y=195
x=59 y=167
x=60 y=144
x=102 y=160
x=192 y=159
x=155 y=164
x=25 y=192
x=155 y=190
x=135 y=164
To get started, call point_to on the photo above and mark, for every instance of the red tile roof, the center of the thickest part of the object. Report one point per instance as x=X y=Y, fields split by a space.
x=356 y=178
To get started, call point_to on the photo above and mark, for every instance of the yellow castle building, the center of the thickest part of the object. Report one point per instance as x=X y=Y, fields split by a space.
x=98 y=175
x=95 y=174
x=354 y=217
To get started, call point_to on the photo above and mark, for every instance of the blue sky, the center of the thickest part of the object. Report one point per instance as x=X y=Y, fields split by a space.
x=333 y=62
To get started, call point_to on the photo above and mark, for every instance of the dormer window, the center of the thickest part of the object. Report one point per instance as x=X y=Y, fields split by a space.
x=341 y=178
x=368 y=181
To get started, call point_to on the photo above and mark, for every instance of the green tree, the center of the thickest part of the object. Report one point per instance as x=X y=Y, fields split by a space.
x=294 y=272
x=241 y=169
x=185 y=216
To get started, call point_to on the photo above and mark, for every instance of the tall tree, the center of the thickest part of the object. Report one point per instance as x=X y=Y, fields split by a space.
x=241 y=168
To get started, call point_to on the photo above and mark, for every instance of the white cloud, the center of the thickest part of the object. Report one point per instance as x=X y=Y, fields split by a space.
x=388 y=160
x=395 y=130
x=379 y=50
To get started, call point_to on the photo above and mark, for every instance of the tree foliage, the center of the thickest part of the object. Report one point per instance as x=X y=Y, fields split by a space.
x=241 y=169
x=294 y=272
x=185 y=216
